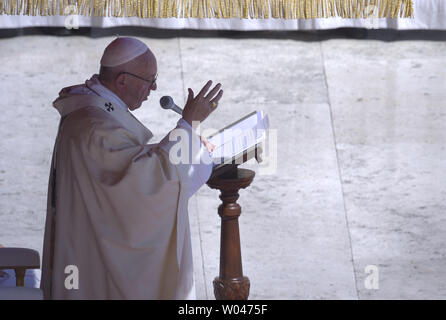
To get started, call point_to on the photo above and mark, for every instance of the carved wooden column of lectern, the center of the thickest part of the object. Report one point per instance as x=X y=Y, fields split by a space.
x=231 y=284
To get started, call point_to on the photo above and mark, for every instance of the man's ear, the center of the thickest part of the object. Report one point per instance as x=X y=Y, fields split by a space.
x=121 y=80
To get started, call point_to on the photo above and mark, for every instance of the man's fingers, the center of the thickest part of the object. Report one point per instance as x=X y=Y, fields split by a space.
x=217 y=97
x=191 y=95
x=205 y=89
x=212 y=93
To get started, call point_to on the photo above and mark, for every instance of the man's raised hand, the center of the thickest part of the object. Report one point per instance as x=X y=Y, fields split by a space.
x=198 y=108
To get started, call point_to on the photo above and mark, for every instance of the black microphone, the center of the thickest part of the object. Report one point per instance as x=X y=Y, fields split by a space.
x=166 y=102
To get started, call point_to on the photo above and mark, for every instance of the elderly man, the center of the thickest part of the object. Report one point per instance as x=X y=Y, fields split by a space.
x=117 y=224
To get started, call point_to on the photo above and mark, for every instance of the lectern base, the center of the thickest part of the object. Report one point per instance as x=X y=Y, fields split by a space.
x=232 y=289
x=231 y=284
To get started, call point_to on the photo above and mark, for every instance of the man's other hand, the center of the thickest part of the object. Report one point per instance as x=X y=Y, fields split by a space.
x=209 y=146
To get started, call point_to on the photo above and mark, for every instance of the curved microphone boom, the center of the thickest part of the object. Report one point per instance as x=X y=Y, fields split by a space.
x=166 y=102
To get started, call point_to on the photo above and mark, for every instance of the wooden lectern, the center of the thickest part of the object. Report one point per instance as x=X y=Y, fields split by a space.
x=230 y=284
x=235 y=145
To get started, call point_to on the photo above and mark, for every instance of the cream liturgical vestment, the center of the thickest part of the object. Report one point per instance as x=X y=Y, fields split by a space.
x=117 y=225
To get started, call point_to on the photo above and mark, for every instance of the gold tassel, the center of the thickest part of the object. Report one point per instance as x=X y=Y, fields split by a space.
x=19 y=7
x=243 y=9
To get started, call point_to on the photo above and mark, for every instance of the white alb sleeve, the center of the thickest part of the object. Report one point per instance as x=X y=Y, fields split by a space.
x=185 y=149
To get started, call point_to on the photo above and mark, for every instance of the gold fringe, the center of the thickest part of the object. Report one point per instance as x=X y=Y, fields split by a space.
x=243 y=9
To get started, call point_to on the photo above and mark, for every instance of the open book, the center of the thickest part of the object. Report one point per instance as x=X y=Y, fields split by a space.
x=239 y=142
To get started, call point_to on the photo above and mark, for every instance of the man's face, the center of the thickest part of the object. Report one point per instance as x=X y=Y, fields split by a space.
x=139 y=84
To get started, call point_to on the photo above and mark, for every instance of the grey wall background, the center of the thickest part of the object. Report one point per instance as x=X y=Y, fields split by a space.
x=361 y=150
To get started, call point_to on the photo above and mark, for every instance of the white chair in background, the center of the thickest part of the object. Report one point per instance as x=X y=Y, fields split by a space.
x=19 y=260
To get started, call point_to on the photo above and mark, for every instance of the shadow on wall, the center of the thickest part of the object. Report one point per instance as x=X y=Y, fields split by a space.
x=310 y=35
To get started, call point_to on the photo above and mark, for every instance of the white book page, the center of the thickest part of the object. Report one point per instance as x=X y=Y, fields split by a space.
x=240 y=136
